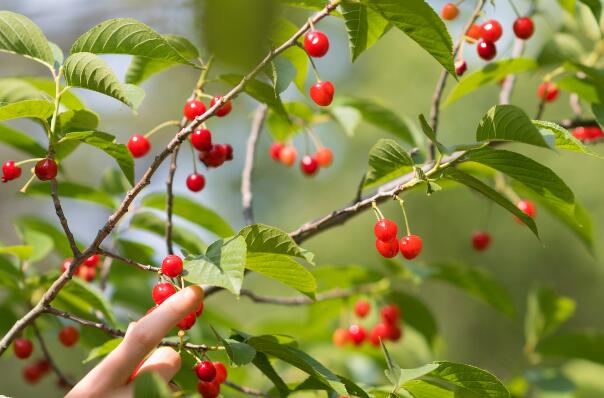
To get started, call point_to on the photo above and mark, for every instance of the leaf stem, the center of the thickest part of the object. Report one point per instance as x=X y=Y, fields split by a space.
x=402 y=203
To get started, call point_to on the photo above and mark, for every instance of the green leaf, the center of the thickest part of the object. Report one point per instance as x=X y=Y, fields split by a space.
x=281 y=128
x=84 y=299
x=493 y=72
x=39 y=109
x=364 y=25
x=347 y=117
x=151 y=385
x=114 y=182
x=22 y=252
x=282 y=31
x=262 y=238
x=106 y=143
x=283 y=73
x=47 y=86
x=588 y=345
x=41 y=243
x=562 y=138
x=222 y=265
x=21 y=36
x=26 y=224
x=78 y=120
x=21 y=141
x=585 y=87
x=568 y=5
x=9 y=278
x=87 y=70
x=75 y=191
x=561 y=47
x=239 y=353
x=14 y=89
x=546 y=311
x=259 y=91
x=183 y=237
x=595 y=6
x=481 y=187
x=412 y=374
x=417 y=315
x=422 y=24
x=191 y=211
x=394 y=372
x=387 y=160
x=431 y=134
x=508 y=123
x=103 y=350
x=264 y=365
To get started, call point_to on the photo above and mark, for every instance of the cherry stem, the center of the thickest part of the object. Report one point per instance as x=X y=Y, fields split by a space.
x=203 y=76
x=194 y=158
x=28 y=161
x=514 y=8
x=402 y=203
x=161 y=126
x=377 y=211
x=312 y=62
x=312 y=25
x=314 y=137
x=28 y=183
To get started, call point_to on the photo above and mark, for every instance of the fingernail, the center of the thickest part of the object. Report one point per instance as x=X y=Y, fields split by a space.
x=194 y=292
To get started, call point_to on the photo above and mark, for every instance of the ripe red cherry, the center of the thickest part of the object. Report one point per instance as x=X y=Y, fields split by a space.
x=162 y=291
x=199 y=310
x=196 y=182
x=215 y=157
x=66 y=264
x=322 y=93
x=491 y=30
x=473 y=33
x=547 y=91
x=172 y=266
x=460 y=67
x=486 y=50
x=524 y=28
x=362 y=308
x=316 y=43
x=275 y=150
x=394 y=332
x=229 y=151
x=92 y=261
x=581 y=133
x=309 y=165
x=385 y=230
x=43 y=365
x=449 y=12
x=205 y=371
x=221 y=373
x=10 y=171
x=527 y=207
x=357 y=334
x=340 y=337
x=410 y=246
x=481 y=240
x=46 y=169
x=390 y=314
x=68 y=336
x=201 y=139
x=324 y=156
x=23 y=348
x=379 y=332
x=588 y=134
x=387 y=249
x=138 y=145
x=208 y=390
x=288 y=155
x=86 y=273
x=193 y=108
x=225 y=109
x=187 y=322
x=32 y=373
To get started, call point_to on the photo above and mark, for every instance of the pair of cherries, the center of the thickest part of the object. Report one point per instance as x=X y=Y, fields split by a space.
x=316 y=45
x=310 y=164
x=87 y=270
x=588 y=134
x=45 y=169
x=211 y=375
x=388 y=245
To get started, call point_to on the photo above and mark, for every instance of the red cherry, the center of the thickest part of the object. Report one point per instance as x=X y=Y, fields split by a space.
x=594 y=134
x=86 y=273
x=324 y=156
x=201 y=139
x=340 y=337
x=527 y=207
x=385 y=230
x=357 y=334
x=379 y=332
x=196 y=182
x=225 y=109
x=221 y=373
x=23 y=348
x=449 y=12
x=322 y=93
x=162 y=291
x=390 y=314
x=208 y=390
x=481 y=240
x=387 y=249
x=199 y=310
x=275 y=150
x=138 y=145
x=394 y=332
x=473 y=32
x=92 y=261
x=581 y=133
x=205 y=371
x=68 y=336
x=229 y=151
x=486 y=50
x=187 y=322
x=491 y=30
x=193 y=108
x=316 y=43
x=410 y=246
x=309 y=165
x=46 y=169
x=215 y=157
x=460 y=67
x=547 y=92
x=288 y=155
x=66 y=264
x=524 y=28
x=43 y=365
x=32 y=373
x=172 y=266
x=10 y=171
x=362 y=308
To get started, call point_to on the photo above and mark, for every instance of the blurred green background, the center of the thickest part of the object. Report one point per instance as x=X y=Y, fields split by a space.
x=397 y=73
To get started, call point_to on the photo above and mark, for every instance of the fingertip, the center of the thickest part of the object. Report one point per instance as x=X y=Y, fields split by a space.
x=194 y=293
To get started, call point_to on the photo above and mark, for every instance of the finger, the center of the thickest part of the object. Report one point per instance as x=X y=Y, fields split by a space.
x=164 y=361
x=128 y=391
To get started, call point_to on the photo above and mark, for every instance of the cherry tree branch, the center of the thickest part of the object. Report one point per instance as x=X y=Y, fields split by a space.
x=62 y=219
x=53 y=365
x=125 y=260
x=248 y=169
x=170 y=200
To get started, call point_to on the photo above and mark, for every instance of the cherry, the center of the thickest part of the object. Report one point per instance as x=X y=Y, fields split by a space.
x=66 y=264
x=68 y=336
x=449 y=12
x=172 y=266
x=357 y=334
x=316 y=43
x=460 y=67
x=86 y=273
x=491 y=30
x=215 y=157
x=309 y=165
x=288 y=155
x=275 y=150
x=524 y=28
x=410 y=246
x=379 y=332
x=10 y=171
x=187 y=322
x=205 y=371
x=92 y=261
x=486 y=50
x=196 y=182
x=394 y=332
x=473 y=32
x=225 y=109
x=201 y=139
x=221 y=372
x=193 y=108
x=208 y=390
x=199 y=310
x=229 y=151
x=322 y=93
x=46 y=169
x=387 y=249
x=547 y=92
x=362 y=308
x=588 y=134
x=390 y=314
x=324 y=156
x=43 y=365
x=481 y=240
x=32 y=373
x=138 y=145
x=385 y=230
x=527 y=207
x=162 y=291
x=340 y=337
x=23 y=348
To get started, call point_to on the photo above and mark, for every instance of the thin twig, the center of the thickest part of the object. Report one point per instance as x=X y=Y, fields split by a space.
x=61 y=215
x=247 y=390
x=508 y=83
x=248 y=169
x=170 y=200
x=53 y=365
x=128 y=261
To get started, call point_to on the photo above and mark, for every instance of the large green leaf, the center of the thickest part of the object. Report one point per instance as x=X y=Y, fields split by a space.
x=39 y=109
x=263 y=364
x=30 y=223
x=283 y=72
x=75 y=191
x=151 y=385
x=508 y=123
x=595 y=6
x=422 y=24
x=47 y=86
x=78 y=120
x=222 y=265
x=21 y=141
x=259 y=91
x=21 y=36
x=191 y=211
x=561 y=137
x=42 y=243
x=588 y=345
x=84 y=299
x=561 y=47
x=262 y=238
x=282 y=31
x=87 y=70
x=585 y=87
x=546 y=311
x=183 y=237
x=22 y=252
x=239 y=353
x=364 y=25
x=13 y=89
x=106 y=143
x=387 y=160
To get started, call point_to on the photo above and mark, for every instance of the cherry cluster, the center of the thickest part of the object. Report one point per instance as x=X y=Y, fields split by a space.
x=389 y=327
x=87 y=270
x=309 y=164
x=316 y=45
x=387 y=243
x=589 y=134
x=45 y=169
x=211 y=375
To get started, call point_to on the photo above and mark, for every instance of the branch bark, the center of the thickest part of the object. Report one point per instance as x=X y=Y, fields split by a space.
x=125 y=260
x=170 y=200
x=247 y=390
x=62 y=219
x=248 y=169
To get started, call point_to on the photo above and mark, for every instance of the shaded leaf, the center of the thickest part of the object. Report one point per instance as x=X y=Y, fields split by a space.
x=387 y=160
x=588 y=345
x=21 y=141
x=21 y=36
x=508 y=123
x=364 y=26
x=546 y=312
x=39 y=109
x=183 y=237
